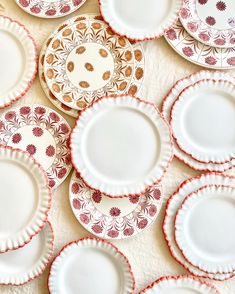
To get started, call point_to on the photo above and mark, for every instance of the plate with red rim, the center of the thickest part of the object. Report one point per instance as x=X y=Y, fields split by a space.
x=110 y=218
x=18 y=59
x=24 y=184
x=21 y=266
x=166 y=109
x=210 y=22
x=44 y=134
x=196 y=52
x=174 y=203
x=141 y=156
x=195 y=124
x=50 y=8
x=127 y=18
x=85 y=256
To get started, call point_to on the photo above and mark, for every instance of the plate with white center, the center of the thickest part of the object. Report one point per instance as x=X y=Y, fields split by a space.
x=203 y=121
x=18 y=59
x=25 y=198
x=44 y=134
x=121 y=146
x=81 y=260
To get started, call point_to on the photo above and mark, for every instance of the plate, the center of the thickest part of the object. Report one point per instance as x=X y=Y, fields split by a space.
x=44 y=134
x=21 y=266
x=24 y=185
x=179 y=285
x=197 y=52
x=202 y=120
x=18 y=59
x=173 y=204
x=166 y=109
x=50 y=8
x=138 y=20
x=203 y=226
x=110 y=218
x=211 y=22
x=129 y=160
x=77 y=262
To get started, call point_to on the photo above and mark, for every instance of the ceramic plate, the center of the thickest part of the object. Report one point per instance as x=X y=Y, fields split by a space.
x=50 y=8
x=80 y=261
x=113 y=218
x=210 y=21
x=173 y=204
x=130 y=159
x=166 y=109
x=203 y=226
x=25 y=198
x=197 y=52
x=25 y=264
x=41 y=132
x=18 y=59
x=202 y=120
x=179 y=285
x=140 y=20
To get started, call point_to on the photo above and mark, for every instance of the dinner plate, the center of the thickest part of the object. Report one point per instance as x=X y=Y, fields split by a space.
x=110 y=218
x=210 y=21
x=202 y=120
x=173 y=204
x=179 y=285
x=203 y=226
x=121 y=146
x=44 y=134
x=90 y=259
x=18 y=59
x=166 y=109
x=196 y=52
x=25 y=198
x=140 y=20
x=50 y=8
x=25 y=264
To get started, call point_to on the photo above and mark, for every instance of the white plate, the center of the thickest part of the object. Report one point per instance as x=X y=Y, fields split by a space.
x=204 y=226
x=18 y=59
x=203 y=121
x=25 y=198
x=173 y=204
x=140 y=20
x=89 y=266
x=121 y=146
x=179 y=285
x=25 y=264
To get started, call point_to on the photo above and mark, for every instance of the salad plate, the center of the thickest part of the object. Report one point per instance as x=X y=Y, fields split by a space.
x=18 y=59
x=110 y=218
x=138 y=20
x=44 y=134
x=81 y=260
x=212 y=22
x=25 y=198
x=21 y=266
x=129 y=160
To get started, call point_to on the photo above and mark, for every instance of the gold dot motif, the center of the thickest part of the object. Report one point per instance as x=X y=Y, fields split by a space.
x=67 y=32
x=50 y=58
x=56 y=88
x=56 y=44
x=103 y=53
x=50 y=73
x=122 y=42
x=139 y=73
x=96 y=26
x=89 y=66
x=128 y=71
x=84 y=84
x=128 y=55
x=80 y=50
x=138 y=55
x=106 y=75
x=81 y=104
x=132 y=90
x=122 y=86
x=81 y=26
x=67 y=98
x=70 y=66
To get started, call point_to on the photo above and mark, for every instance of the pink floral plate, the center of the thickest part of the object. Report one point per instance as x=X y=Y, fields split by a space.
x=211 y=22
x=110 y=218
x=50 y=8
x=197 y=52
x=41 y=132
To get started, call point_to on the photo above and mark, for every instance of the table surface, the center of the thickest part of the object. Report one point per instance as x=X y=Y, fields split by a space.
x=147 y=252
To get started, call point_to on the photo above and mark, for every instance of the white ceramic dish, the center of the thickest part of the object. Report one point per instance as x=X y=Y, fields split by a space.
x=129 y=160
x=140 y=20
x=25 y=198
x=89 y=266
x=18 y=59
x=21 y=266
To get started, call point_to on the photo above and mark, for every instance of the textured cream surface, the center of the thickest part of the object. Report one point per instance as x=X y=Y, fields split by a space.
x=147 y=252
